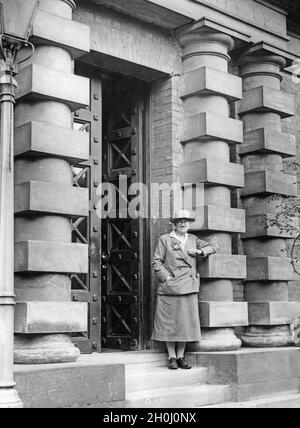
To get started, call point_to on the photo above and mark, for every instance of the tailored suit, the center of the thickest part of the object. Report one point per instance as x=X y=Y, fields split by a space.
x=171 y=260
x=177 y=314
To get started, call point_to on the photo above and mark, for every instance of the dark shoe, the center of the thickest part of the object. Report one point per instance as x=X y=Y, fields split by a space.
x=182 y=364
x=172 y=364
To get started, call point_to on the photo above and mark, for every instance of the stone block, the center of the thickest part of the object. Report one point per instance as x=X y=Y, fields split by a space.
x=270 y=269
x=55 y=257
x=208 y=80
x=273 y=313
x=212 y=171
x=42 y=139
x=267 y=391
x=50 y=317
x=266 y=140
x=264 y=99
x=55 y=30
x=223 y=266
x=37 y=81
x=71 y=384
x=262 y=291
x=219 y=219
x=259 y=226
x=223 y=314
x=253 y=373
x=208 y=126
x=40 y=197
x=268 y=182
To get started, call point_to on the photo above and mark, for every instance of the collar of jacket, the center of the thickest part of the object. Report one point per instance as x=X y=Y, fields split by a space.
x=184 y=255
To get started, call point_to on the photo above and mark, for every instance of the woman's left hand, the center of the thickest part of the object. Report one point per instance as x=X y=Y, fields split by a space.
x=195 y=253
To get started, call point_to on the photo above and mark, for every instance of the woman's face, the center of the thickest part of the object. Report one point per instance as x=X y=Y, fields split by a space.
x=182 y=226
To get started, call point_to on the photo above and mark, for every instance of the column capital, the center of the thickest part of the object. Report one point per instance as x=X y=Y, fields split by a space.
x=200 y=35
x=261 y=64
x=199 y=41
x=207 y=31
x=248 y=58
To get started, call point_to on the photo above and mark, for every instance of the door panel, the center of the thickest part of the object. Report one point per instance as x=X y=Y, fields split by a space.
x=122 y=311
x=87 y=230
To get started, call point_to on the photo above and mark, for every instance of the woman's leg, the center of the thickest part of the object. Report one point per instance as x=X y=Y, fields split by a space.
x=180 y=349
x=171 y=349
x=182 y=364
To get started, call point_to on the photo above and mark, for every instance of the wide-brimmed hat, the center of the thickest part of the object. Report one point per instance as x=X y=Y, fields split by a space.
x=182 y=215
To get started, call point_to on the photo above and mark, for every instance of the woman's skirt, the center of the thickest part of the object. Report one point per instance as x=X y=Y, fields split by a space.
x=177 y=319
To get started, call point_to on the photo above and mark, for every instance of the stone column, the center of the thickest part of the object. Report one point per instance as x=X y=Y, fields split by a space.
x=207 y=134
x=45 y=199
x=263 y=107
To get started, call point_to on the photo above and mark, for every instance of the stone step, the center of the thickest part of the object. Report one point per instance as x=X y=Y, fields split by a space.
x=135 y=357
x=150 y=377
x=282 y=402
x=179 y=397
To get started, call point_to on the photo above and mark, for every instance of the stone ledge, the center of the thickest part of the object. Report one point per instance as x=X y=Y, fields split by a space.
x=40 y=197
x=273 y=313
x=50 y=317
x=219 y=219
x=264 y=99
x=37 y=81
x=260 y=226
x=253 y=372
x=265 y=390
x=270 y=269
x=41 y=139
x=85 y=383
x=55 y=30
x=55 y=257
x=207 y=126
x=211 y=171
x=223 y=266
x=223 y=314
x=269 y=182
x=208 y=80
x=266 y=140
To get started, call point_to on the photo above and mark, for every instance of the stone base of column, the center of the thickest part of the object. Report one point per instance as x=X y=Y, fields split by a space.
x=9 y=399
x=267 y=337
x=46 y=349
x=216 y=340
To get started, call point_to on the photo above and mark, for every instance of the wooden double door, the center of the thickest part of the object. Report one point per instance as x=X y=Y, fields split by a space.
x=116 y=287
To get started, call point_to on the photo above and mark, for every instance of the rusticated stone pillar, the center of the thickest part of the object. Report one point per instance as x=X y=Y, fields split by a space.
x=45 y=199
x=263 y=107
x=207 y=135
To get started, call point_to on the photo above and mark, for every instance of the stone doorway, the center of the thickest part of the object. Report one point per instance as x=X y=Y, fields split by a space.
x=117 y=123
x=124 y=240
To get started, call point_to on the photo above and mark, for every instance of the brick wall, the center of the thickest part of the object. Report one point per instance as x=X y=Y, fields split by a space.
x=166 y=151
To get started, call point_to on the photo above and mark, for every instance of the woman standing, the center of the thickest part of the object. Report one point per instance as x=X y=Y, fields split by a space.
x=175 y=264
